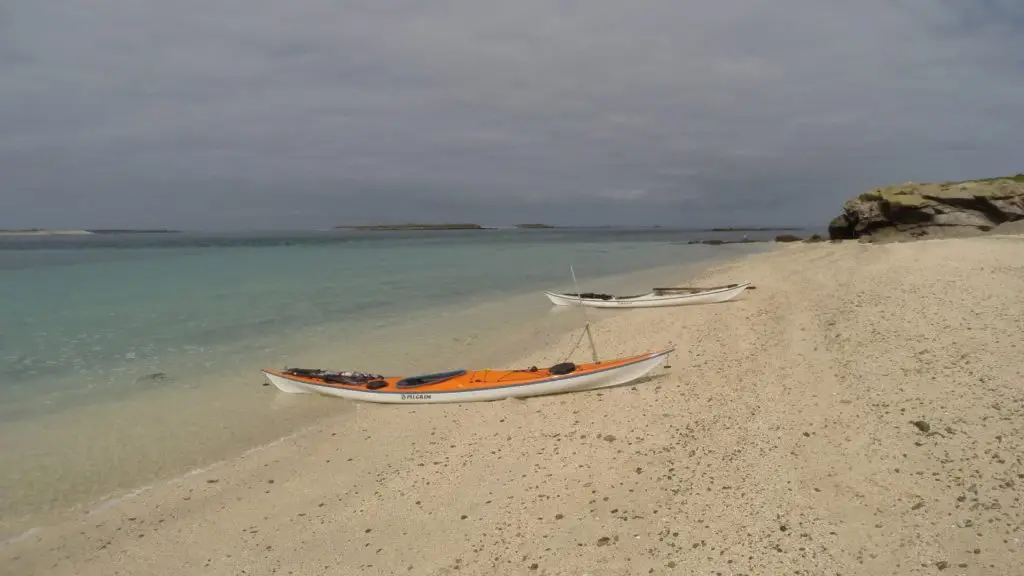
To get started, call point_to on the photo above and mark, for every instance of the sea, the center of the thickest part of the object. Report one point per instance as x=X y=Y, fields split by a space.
x=129 y=359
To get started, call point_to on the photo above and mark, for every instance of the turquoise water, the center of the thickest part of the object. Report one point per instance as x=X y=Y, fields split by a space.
x=102 y=334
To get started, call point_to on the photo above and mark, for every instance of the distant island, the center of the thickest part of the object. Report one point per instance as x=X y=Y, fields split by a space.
x=132 y=231
x=398 y=227
x=450 y=226
x=82 y=232
x=754 y=229
x=42 y=232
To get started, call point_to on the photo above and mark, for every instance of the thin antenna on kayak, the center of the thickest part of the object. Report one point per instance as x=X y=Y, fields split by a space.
x=586 y=321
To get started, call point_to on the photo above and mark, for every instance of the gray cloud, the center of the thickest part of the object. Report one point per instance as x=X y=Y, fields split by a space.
x=268 y=114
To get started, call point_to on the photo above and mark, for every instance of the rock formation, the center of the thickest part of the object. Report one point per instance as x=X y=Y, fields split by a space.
x=938 y=208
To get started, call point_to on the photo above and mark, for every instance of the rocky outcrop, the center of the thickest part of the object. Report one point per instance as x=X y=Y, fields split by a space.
x=938 y=208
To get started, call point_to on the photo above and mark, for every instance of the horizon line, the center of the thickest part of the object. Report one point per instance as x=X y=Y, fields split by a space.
x=345 y=227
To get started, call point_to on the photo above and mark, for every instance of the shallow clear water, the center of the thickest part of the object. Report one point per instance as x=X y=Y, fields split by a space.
x=126 y=358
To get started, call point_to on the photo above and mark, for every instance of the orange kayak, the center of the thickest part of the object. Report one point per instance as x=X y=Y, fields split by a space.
x=467 y=385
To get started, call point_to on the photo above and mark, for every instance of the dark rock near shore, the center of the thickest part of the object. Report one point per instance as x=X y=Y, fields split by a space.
x=916 y=210
x=153 y=379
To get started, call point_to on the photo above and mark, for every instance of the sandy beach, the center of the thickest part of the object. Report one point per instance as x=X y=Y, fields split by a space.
x=860 y=412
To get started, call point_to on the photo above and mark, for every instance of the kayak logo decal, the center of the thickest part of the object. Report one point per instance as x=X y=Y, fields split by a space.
x=415 y=396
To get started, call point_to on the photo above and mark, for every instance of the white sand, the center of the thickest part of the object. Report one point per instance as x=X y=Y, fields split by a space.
x=780 y=441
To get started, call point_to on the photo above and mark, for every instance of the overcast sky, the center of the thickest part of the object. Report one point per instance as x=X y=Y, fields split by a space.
x=309 y=113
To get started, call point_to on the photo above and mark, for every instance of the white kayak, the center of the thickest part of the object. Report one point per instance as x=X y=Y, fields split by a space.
x=655 y=298
x=467 y=385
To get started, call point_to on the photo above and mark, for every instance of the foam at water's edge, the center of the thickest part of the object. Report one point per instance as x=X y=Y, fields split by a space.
x=24 y=535
x=113 y=500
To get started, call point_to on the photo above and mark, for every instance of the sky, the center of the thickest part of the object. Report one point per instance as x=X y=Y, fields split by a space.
x=262 y=114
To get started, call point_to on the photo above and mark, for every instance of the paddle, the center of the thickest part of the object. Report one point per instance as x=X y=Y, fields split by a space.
x=697 y=288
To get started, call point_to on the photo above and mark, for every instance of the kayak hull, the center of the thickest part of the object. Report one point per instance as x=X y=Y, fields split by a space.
x=482 y=385
x=654 y=299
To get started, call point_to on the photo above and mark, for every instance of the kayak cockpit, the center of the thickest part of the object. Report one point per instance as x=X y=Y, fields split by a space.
x=428 y=379
x=600 y=296
x=351 y=378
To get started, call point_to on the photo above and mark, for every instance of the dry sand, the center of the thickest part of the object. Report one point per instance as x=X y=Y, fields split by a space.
x=781 y=440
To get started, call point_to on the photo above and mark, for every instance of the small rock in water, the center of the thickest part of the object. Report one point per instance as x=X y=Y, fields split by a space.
x=152 y=378
x=922 y=425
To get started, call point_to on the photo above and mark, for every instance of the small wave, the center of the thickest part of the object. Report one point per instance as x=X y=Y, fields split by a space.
x=111 y=501
x=26 y=534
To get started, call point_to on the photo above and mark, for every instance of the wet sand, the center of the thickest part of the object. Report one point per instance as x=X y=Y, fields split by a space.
x=859 y=412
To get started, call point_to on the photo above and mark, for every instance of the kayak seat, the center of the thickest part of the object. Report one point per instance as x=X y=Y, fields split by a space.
x=303 y=371
x=593 y=296
x=428 y=379
x=350 y=378
x=598 y=296
x=376 y=384
x=562 y=368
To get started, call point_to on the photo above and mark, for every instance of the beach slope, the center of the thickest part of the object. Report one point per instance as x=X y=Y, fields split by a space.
x=860 y=412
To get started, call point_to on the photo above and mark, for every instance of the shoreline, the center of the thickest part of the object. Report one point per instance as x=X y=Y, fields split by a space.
x=538 y=322
x=792 y=430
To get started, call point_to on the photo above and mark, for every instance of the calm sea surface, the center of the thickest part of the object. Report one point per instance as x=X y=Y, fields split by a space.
x=128 y=358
